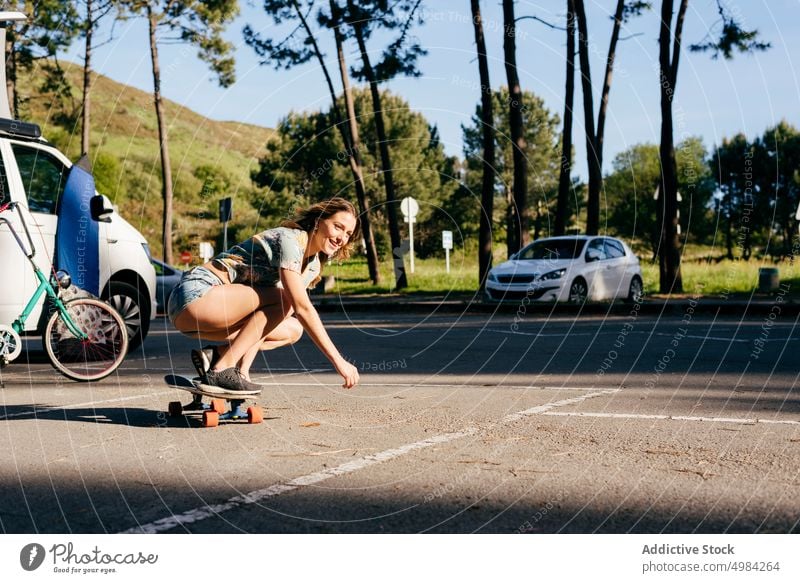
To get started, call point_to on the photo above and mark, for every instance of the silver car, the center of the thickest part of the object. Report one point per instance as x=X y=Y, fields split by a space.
x=167 y=277
x=574 y=269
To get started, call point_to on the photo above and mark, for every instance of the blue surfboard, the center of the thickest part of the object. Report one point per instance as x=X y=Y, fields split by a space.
x=77 y=234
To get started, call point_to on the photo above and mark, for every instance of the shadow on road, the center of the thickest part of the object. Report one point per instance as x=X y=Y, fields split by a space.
x=53 y=507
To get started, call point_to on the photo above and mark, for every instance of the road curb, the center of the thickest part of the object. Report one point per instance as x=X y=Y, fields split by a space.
x=759 y=308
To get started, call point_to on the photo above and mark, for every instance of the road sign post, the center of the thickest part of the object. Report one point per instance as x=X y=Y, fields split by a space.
x=447 y=243
x=410 y=209
x=225 y=215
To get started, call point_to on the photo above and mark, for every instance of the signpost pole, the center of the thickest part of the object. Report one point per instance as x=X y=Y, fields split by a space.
x=225 y=215
x=410 y=208
x=411 y=242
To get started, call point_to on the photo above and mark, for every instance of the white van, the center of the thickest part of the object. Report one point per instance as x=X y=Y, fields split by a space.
x=33 y=173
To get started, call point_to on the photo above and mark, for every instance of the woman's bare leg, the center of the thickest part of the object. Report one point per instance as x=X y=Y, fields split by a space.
x=287 y=332
x=249 y=319
x=251 y=331
x=277 y=328
x=223 y=310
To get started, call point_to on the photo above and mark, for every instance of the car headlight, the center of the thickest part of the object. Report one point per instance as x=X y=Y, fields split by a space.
x=492 y=277
x=557 y=274
x=146 y=248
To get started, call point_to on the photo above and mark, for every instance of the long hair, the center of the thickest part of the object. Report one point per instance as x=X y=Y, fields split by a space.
x=307 y=219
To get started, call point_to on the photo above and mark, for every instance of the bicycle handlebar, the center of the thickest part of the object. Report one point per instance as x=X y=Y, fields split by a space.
x=12 y=206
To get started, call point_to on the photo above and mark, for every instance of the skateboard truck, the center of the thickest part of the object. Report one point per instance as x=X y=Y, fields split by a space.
x=215 y=411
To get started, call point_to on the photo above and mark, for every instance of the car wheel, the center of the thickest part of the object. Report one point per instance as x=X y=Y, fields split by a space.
x=134 y=307
x=636 y=290
x=578 y=291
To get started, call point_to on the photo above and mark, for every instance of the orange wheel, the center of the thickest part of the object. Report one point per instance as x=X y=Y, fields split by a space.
x=210 y=418
x=175 y=409
x=218 y=405
x=255 y=415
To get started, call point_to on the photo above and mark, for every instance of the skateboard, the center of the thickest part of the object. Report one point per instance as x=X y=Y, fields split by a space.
x=215 y=411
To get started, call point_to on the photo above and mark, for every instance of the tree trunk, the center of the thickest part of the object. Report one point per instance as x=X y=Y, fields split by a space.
x=601 y=114
x=87 y=80
x=353 y=145
x=518 y=227
x=401 y=280
x=592 y=154
x=166 y=170
x=487 y=182
x=669 y=248
x=564 y=178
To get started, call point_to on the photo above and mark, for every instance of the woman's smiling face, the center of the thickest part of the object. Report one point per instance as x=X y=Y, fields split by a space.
x=332 y=233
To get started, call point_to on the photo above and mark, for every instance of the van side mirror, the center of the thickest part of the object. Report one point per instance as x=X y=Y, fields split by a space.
x=101 y=208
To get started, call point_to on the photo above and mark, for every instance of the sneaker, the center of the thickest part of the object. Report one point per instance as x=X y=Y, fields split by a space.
x=227 y=379
x=204 y=359
x=249 y=386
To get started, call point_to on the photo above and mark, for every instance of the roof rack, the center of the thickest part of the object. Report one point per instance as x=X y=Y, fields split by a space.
x=20 y=129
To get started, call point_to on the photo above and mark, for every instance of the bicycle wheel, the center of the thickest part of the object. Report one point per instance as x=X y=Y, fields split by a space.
x=100 y=353
x=10 y=344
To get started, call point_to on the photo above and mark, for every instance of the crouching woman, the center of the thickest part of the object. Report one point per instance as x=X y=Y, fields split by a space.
x=254 y=296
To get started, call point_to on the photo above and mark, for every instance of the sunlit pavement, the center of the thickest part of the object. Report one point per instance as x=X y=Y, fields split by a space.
x=616 y=420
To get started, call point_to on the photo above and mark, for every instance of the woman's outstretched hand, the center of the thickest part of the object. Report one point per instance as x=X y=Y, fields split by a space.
x=349 y=373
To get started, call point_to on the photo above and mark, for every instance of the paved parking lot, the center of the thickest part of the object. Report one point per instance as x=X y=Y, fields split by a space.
x=514 y=422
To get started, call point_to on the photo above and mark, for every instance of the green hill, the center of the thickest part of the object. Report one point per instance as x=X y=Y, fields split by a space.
x=210 y=159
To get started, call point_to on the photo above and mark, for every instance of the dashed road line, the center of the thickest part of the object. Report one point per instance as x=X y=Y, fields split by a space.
x=89 y=404
x=209 y=511
x=745 y=421
x=92 y=404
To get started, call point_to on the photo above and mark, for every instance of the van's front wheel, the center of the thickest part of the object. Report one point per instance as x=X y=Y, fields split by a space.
x=134 y=307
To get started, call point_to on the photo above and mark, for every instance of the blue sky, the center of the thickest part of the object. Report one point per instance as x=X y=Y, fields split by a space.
x=715 y=99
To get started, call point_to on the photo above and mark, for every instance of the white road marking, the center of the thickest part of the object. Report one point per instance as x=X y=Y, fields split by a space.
x=538 y=334
x=88 y=404
x=92 y=404
x=437 y=386
x=747 y=421
x=209 y=511
x=614 y=333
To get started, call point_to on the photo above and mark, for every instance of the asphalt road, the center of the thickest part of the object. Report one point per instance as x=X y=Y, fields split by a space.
x=462 y=422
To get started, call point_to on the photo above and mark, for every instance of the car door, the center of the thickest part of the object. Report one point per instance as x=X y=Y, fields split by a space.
x=42 y=177
x=614 y=268
x=12 y=260
x=595 y=258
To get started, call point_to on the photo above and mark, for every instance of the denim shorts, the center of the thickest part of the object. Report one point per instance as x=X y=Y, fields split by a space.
x=194 y=285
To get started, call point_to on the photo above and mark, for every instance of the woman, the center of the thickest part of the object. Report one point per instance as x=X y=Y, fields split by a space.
x=254 y=295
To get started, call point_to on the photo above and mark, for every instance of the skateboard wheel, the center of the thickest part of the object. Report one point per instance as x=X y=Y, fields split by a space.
x=255 y=415
x=218 y=405
x=175 y=409
x=210 y=418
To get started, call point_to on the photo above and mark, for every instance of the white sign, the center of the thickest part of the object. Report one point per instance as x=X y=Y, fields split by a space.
x=447 y=239
x=206 y=250
x=447 y=243
x=410 y=208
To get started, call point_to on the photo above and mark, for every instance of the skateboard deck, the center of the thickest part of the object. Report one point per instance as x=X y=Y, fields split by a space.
x=193 y=385
x=216 y=411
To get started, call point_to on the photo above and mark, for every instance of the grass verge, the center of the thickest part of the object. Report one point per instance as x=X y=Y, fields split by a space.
x=725 y=278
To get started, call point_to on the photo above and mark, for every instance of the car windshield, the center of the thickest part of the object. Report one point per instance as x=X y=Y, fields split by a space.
x=553 y=249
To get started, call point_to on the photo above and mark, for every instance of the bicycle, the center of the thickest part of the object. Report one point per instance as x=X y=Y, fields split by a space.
x=85 y=339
